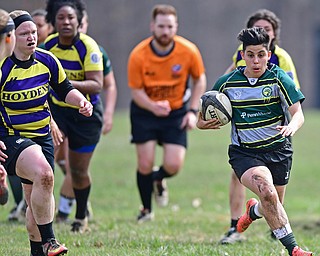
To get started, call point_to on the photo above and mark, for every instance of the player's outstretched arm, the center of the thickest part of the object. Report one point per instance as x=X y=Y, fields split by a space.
x=76 y=98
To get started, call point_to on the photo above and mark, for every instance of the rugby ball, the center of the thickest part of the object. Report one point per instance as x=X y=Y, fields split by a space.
x=214 y=104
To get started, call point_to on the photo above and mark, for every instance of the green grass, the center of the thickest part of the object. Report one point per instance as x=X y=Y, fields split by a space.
x=180 y=229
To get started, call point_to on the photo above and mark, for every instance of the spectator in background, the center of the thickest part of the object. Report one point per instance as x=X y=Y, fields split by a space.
x=110 y=96
x=271 y=23
x=159 y=69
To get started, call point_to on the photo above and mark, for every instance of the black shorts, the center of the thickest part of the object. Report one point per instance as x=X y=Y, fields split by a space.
x=278 y=161
x=16 y=144
x=145 y=126
x=83 y=132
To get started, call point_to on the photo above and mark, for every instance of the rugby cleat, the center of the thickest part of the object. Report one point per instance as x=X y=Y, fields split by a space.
x=297 y=251
x=53 y=248
x=245 y=220
x=232 y=237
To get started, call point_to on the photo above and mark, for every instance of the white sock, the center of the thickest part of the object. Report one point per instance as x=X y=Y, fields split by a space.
x=283 y=231
x=256 y=210
x=65 y=204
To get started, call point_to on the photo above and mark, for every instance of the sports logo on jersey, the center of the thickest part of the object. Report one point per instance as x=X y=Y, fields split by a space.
x=267 y=92
x=176 y=70
x=95 y=58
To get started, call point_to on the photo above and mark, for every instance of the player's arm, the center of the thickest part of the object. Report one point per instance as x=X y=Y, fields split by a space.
x=198 y=88
x=92 y=84
x=297 y=120
x=158 y=108
x=110 y=94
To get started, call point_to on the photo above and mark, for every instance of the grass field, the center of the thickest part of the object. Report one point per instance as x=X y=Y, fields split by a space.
x=180 y=229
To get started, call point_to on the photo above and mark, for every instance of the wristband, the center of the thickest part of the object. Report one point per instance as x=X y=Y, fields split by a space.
x=194 y=111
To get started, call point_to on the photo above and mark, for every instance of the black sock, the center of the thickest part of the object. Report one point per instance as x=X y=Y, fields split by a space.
x=145 y=186
x=36 y=248
x=252 y=214
x=82 y=196
x=16 y=187
x=289 y=242
x=160 y=174
x=234 y=223
x=46 y=232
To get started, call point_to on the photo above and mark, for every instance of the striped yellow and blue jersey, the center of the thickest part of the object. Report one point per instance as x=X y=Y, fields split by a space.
x=82 y=56
x=24 y=92
x=258 y=106
x=279 y=57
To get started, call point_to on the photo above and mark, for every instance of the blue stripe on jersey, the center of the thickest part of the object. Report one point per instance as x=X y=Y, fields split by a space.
x=27 y=118
x=6 y=69
x=72 y=65
x=82 y=50
x=46 y=60
x=274 y=59
x=51 y=43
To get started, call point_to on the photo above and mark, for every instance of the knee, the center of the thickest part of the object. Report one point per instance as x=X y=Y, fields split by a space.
x=79 y=174
x=172 y=168
x=45 y=177
x=267 y=190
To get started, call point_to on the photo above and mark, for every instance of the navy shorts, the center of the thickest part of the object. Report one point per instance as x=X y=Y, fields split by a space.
x=145 y=126
x=278 y=161
x=16 y=144
x=83 y=132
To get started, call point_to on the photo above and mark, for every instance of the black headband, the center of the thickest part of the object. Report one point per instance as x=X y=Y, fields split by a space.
x=10 y=26
x=22 y=18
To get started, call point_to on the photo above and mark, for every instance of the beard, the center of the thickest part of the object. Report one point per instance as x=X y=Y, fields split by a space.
x=163 y=40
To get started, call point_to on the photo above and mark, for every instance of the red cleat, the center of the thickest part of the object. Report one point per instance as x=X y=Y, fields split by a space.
x=297 y=251
x=53 y=248
x=245 y=220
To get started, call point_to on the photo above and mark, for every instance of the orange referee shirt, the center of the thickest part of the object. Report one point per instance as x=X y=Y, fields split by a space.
x=165 y=77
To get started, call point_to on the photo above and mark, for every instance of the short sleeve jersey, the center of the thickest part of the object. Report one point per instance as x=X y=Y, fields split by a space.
x=107 y=67
x=165 y=77
x=24 y=90
x=82 y=56
x=279 y=57
x=258 y=106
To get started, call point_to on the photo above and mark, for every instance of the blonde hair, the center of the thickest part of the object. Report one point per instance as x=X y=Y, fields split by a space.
x=4 y=17
x=16 y=13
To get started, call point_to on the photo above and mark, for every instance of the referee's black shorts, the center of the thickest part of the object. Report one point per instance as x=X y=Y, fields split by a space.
x=278 y=161
x=83 y=132
x=16 y=144
x=145 y=126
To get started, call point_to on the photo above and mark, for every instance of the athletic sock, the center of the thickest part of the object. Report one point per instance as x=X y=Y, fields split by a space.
x=46 y=232
x=82 y=196
x=254 y=214
x=233 y=223
x=160 y=174
x=145 y=186
x=65 y=205
x=289 y=242
x=36 y=248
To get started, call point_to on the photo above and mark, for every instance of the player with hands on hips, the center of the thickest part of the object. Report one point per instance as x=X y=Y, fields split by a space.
x=260 y=152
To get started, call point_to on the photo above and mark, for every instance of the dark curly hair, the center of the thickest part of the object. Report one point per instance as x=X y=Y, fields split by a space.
x=53 y=7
